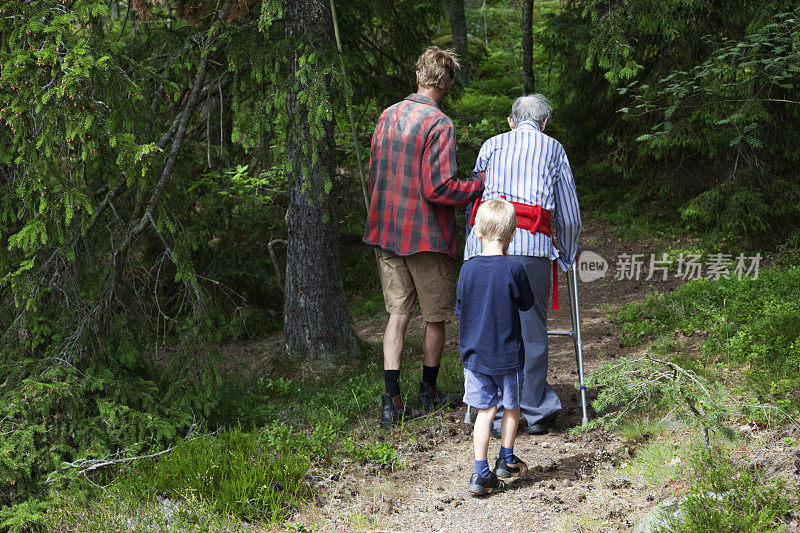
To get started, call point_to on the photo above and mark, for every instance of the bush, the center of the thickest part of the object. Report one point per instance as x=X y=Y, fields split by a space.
x=56 y=414
x=719 y=110
x=728 y=497
x=749 y=322
x=480 y=105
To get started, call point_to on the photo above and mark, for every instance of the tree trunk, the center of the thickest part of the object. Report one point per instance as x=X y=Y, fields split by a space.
x=458 y=25
x=316 y=324
x=528 y=76
x=485 y=31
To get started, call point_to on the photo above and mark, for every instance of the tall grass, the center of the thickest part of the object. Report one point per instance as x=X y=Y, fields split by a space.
x=250 y=475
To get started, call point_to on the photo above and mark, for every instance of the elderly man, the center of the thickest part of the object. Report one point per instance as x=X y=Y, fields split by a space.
x=413 y=192
x=531 y=170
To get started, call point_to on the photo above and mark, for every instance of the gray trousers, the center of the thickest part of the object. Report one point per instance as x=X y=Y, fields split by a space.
x=537 y=398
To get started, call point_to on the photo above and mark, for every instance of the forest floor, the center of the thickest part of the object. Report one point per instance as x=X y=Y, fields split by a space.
x=576 y=481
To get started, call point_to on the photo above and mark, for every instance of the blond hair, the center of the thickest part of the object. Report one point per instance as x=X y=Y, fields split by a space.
x=437 y=68
x=496 y=220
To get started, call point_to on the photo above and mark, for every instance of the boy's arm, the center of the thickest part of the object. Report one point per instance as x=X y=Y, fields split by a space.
x=525 y=297
x=458 y=297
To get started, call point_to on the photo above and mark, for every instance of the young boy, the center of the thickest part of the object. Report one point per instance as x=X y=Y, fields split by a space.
x=492 y=289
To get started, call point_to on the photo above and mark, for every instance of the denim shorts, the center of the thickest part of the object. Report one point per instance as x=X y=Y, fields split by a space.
x=483 y=391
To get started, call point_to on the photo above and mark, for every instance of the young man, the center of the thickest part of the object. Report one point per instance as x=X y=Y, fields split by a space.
x=413 y=192
x=492 y=290
x=531 y=169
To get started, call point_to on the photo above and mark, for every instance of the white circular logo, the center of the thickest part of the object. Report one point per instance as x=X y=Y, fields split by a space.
x=591 y=266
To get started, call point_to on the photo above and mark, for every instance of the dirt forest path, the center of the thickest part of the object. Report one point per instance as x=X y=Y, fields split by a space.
x=430 y=494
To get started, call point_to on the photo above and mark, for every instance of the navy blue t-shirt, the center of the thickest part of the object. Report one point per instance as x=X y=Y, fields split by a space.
x=492 y=289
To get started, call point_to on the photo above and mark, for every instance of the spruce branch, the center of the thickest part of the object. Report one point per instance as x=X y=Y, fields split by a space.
x=181 y=124
x=85 y=466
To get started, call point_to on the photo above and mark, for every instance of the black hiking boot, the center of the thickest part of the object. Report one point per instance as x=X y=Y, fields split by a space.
x=542 y=426
x=480 y=486
x=430 y=398
x=394 y=412
x=513 y=467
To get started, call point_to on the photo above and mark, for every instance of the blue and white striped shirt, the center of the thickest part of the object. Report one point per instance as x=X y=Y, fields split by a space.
x=529 y=167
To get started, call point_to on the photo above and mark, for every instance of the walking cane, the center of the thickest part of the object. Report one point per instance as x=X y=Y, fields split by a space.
x=575 y=333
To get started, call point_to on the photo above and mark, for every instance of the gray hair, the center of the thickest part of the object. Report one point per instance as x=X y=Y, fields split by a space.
x=534 y=106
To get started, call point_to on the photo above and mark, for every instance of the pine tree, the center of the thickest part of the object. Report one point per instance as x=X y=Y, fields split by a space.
x=528 y=75
x=458 y=25
x=316 y=323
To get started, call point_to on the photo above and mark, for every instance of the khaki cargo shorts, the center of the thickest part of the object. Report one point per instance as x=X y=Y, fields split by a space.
x=429 y=276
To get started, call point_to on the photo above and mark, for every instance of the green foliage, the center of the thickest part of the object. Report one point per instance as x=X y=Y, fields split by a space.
x=56 y=414
x=477 y=115
x=328 y=416
x=498 y=25
x=323 y=413
x=747 y=366
x=251 y=475
x=381 y=453
x=642 y=385
x=335 y=403
x=102 y=310
x=610 y=47
x=477 y=104
x=137 y=226
x=296 y=527
x=730 y=497
x=257 y=474
x=748 y=322
x=720 y=106
x=657 y=449
x=495 y=77
x=239 y=212
x=381 y=42
x=369 y=305
x=115 y=510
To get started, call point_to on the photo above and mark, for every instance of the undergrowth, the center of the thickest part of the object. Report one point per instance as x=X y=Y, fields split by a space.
x=277 y=435
x=718 y=353
x=729 y=497
x=210 y=483
x=258 y=475
x=747 y=324
x=114 y=511
x=54 y=415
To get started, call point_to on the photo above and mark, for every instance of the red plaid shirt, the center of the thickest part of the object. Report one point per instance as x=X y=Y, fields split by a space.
x=413 y=187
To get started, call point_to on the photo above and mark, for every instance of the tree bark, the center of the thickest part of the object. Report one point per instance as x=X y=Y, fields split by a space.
x=316 y=324
x=458 y=25
x=528 y=76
